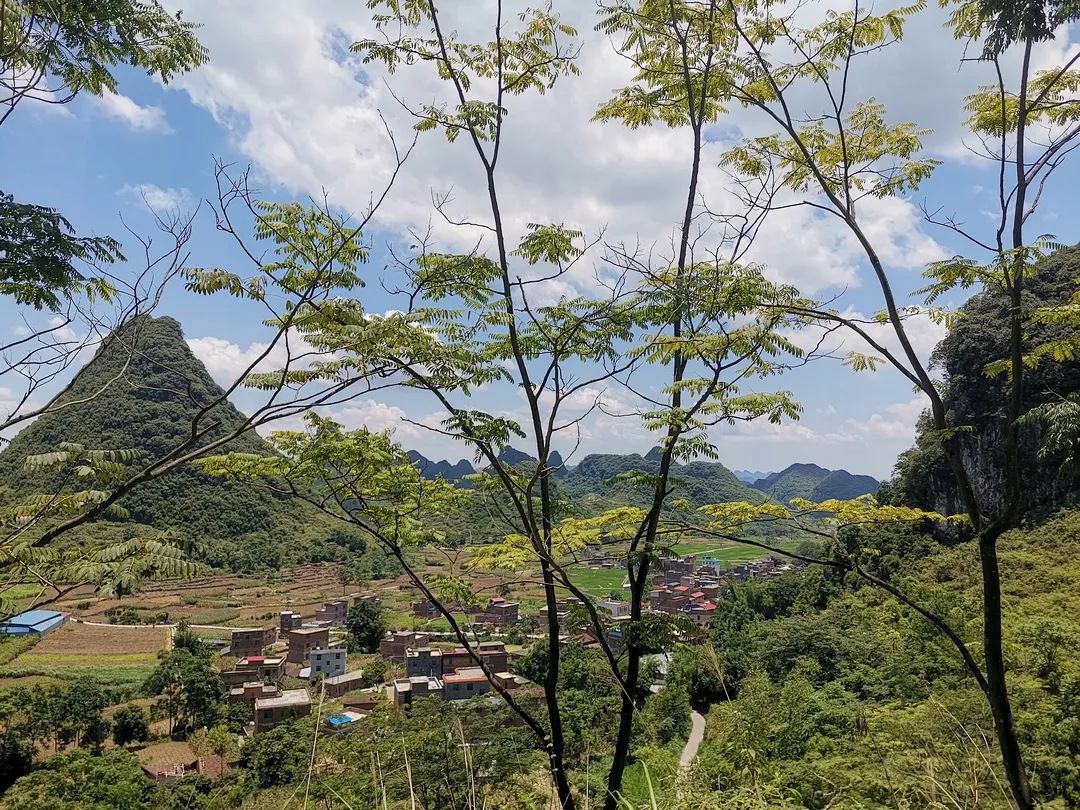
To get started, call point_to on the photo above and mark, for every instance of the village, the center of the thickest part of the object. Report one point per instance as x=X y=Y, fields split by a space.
x=301 y=663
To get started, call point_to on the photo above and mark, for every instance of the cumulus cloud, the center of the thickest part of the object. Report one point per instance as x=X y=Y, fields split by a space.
x=316 y=125
x=159 y=200
x=115 y=105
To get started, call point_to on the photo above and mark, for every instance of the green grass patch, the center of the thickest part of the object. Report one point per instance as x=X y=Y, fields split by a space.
x=11 y=647
x=598 y=581
x=122 y=676
x=62 y=660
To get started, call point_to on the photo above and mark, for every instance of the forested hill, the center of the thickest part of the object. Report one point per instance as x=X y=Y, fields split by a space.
x=922 y=477
x=153 y=387
x=815 y=483
x=700 y=481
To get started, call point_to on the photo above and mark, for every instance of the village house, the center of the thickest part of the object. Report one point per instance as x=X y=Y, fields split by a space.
x=305 y=639
x=362 y=703
x=492 y=653
x=168 y=761
x=289 y=705
x=250 y=691
x=613 y=608
x=424 y=662
x=333 y=612
x=500 y=613
x=252 y=641
x=263 y=668
x=394 y=645
x=339 y=685
x=290 y=620
x=424 y=610
x=328 y=663
x=403 y=691
x=367 y=597
x=465 y=683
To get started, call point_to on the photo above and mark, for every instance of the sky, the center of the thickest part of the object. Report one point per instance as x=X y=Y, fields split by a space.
x=282 y=95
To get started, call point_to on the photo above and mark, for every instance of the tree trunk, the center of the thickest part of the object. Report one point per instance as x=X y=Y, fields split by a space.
x=997 y=694
x=555 y=742
x=626 y=726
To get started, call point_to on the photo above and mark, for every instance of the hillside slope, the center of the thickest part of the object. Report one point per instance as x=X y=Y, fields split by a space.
x=815 y=483
x=159 y=386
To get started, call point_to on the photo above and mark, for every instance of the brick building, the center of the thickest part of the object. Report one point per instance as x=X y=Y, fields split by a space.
x=465 y=683
x=394 y=645
x=289 y=705
x=341 y=684
x=290 y=620
x=334 y=612
x=262 y=668
x=251 y=641
x=251 y=691
x=306 y=639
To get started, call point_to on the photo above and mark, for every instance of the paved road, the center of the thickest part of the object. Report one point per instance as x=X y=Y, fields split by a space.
x=697 y=733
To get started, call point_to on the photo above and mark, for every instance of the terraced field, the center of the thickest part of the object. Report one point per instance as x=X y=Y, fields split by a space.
x=113 y=656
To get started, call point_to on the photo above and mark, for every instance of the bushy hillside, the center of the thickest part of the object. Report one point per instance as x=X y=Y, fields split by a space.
x=981 y=336
x=815 y=483
x=153 y=388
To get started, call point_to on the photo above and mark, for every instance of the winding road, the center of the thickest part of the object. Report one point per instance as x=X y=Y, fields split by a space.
x=693 y=742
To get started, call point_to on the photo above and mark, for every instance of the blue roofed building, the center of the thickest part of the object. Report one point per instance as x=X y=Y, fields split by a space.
x=33 y=622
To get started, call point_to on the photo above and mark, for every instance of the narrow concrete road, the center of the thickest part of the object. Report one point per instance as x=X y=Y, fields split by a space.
x=693 y=742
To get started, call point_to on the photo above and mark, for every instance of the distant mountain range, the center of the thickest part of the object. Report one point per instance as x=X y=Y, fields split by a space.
x=748 y=477
x=815 y=483
x=700 y=481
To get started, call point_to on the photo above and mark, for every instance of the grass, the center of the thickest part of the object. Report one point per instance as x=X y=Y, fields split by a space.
x=598 y=581
x=121 y=676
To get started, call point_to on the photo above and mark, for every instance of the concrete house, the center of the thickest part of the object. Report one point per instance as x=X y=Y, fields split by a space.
x=465 y=683
x=248 y=693
x=334 y=612
x=328 y=663
x=394 y=645
x=492 y=653
x=613 y=608
x=262 y=668
x=500 y=612
x=290 y=620
x=339 y=685
x=423 y=661
x=251 y=642
x=305 y=639
x=404 y=691
x=289 y=705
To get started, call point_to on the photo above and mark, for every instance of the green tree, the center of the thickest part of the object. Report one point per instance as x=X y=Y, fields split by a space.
x=279 y=756
x=846 y=152
x=366 y=625
x=78 y=780
x=16 y=756
x=375 y=672
x=131 y=723
x=192 y=688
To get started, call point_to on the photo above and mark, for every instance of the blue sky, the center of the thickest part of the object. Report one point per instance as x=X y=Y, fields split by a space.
x=280 y=95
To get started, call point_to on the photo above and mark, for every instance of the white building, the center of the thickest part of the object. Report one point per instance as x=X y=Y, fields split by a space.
x=328 y=662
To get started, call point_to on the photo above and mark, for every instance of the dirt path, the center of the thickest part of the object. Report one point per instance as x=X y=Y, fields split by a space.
x=693 y=742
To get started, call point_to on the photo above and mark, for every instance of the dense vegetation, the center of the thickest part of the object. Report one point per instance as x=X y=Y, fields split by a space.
x=813 y=483
x=979 y=337
x=153 y=388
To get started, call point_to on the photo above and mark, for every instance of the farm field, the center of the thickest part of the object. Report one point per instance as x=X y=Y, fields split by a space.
x=601 y=581
x=113 y=656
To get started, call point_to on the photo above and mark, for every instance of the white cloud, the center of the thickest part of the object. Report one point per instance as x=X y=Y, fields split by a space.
x=316 y=126
x=121 y=107
x=159 y=200
x=226 y=360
